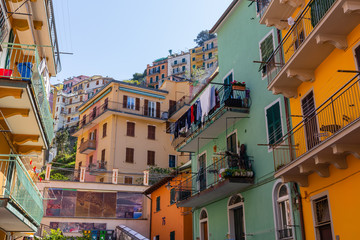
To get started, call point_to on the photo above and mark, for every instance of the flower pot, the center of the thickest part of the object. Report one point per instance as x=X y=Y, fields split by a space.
x=238 y=87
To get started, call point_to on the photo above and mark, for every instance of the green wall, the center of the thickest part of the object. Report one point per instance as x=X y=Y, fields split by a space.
x=238 y=41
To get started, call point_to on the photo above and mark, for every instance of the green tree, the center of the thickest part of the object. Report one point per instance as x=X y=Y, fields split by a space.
x=203 y=36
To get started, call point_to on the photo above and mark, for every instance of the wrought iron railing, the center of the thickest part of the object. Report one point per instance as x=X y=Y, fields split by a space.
x=228 y=97
x=331 y=117
x=261 y=6
x=185 y=100
x=53 y=36
x=21 y=63
x=123 y=108
x=173 y=64
x=304 y=25
x=17 y=186
x=233 y=165
x=285 y=233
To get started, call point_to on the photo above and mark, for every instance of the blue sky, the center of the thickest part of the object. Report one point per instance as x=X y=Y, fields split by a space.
x=117 y=38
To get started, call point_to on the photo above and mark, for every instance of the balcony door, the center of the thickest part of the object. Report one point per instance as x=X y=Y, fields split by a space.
x=310 y=120
x=202 y=172
x=227 y=86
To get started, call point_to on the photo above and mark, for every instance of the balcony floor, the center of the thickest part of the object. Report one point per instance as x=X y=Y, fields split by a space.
x=12 y=220
x=213 y=128
x=331 y=151
x=221 y=190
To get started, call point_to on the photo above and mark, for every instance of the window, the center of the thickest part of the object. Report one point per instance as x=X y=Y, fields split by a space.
x=91 y=161
x=175 y=62
x=151 y=80
x=236 y=217
x=128 y=180
x=158 y=203
x=57 y=108
x=157 y=237
x=282 y=211
x=92 y=135
x=68 y=119
x=322 y=218
x=231 y=143
x=81 y=98
x=103 y=156
x=129 y=155
x=150 y=158
x=163 y=67
x=266 y=50
x=97 y=82
x=69 y=110
x=104 y=129
x=156 y=86
x=273 y=123
x=130 y=130
x=151 y=132
x=151 y=109
x=172 y=235
x=193 y=59
x=58 y=99
x=162 y=75
x=172 y=196
x=194 y=66
x=172 y=161
x=63 y=100
x=157 y=78
x=210 y=55
x=193 y=51
x=183 y=60
x=87 y=85
x=183 y=68
x=130 y=103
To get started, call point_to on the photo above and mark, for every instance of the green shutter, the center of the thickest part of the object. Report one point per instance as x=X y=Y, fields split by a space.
x=158 y=204
x=274 y=123
x=172 y=235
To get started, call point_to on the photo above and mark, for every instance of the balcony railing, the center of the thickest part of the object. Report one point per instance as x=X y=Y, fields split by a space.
x=173 y=64
x=228 y=97
x=89 y=145
x=17 y=186
x=53 y=36
x=22 y=63
x=261 y=6
x=231 y=166
x=179 y=104
x=335 y=114
x=99 y=167
x=296 y=36
x=150 y=112
x=153 y=72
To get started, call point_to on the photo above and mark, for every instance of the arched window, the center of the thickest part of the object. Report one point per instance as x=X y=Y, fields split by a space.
x=203 y=215
x=204 y=229
x=236 y=217
x=282 y=211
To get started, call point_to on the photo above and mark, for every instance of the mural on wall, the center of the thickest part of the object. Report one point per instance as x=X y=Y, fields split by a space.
x=76 y=227
x=73 y=203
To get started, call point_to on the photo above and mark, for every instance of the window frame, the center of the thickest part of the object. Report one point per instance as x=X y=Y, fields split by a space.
x=149 y=136
x=313 y=211
x=126 y=155
x=130 y=103
x=278 y=100
x=271 y=32
x=157 y=204
x=171 y=159
x=104 y=130
x=128 y=132
x=148 y=158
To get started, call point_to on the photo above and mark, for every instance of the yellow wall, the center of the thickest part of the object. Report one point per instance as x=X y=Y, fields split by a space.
x=342 y=185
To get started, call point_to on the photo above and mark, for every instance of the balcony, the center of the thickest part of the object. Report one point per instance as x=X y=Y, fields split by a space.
x=22 y=64
x=326 y=136
x=230 y=174
x=128 y=110
x=88 y=146
x=181 y=106
x=21 y=206
x=232 y=104
x=276 y=12
x=173 y=64
x=153 y=72
x=316 y=33
x=94 y=169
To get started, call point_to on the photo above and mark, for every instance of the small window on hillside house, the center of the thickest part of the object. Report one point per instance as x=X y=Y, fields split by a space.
x=158 y=203
x=151 y=132
x=150 y=158
x=104 y=129
x=130 y=130
x=129 y=158
x=273 y=121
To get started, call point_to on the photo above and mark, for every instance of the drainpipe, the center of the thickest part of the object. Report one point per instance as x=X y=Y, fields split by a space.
x=298 y=198
x=150 y=213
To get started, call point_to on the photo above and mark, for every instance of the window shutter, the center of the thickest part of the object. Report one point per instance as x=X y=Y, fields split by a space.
x=130 y=129
x=137 y=104
x=124 y=101
x=95 y=131
x=146 y=103
x=151 y=158
x=129 y=155
x=274 y=123
x=104 y=129
x=103 y=155
x=151 y=132
x=158 y=203
x=157 y=109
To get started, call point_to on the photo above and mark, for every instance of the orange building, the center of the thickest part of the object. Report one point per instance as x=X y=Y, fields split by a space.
x=167 y=220
x=157 y=72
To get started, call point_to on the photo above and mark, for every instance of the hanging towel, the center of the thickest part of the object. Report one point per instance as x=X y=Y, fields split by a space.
x=198 y=111
x=192 y=113
x=212 y=98
x=205 y=102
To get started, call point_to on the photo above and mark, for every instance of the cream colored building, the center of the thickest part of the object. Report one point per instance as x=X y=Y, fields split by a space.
x=123 y=128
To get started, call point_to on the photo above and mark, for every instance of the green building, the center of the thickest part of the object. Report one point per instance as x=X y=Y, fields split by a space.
x=232 y=189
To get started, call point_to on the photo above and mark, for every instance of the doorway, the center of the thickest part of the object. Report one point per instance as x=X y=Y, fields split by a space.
x=310 y=120
x=204 y=230
x=236 y=218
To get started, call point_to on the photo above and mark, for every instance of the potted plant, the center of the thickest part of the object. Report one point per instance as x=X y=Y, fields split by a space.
x=240 y=86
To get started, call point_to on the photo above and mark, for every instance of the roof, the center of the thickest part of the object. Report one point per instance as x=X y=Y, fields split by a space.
x=160 y=59
x=223 y=16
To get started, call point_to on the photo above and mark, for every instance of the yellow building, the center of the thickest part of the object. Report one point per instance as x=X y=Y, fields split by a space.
x=204 y=57
x=124 y=130
x=28 y=58
x=317 y=66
